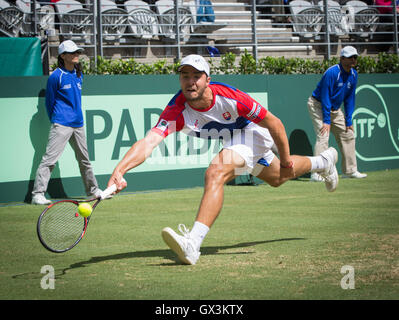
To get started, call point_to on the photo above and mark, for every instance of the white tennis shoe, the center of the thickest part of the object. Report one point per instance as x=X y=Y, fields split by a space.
x=330 y=174
x=355 y=175
x=40 y=199
x=184 y=246
x=315 y=177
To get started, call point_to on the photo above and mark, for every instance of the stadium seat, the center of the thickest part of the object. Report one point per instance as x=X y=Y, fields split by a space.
x=11 y=19
x=307 y=20
x=365 y=19
x=143 y=22
x=167 y=22
x=114 y=21
x=337 y=20
x=76 y=22
x=45 y=16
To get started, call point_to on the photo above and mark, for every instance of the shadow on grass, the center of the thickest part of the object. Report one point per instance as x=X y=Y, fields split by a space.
x=166 y=254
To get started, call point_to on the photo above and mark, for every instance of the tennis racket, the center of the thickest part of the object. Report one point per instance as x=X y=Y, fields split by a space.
x=60 y=227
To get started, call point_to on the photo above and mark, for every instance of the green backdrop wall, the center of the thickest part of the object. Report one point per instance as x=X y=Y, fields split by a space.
x=20 y=57
x=119 y=110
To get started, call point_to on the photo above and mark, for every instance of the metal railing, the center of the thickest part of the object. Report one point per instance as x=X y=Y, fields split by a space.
x=170 y=29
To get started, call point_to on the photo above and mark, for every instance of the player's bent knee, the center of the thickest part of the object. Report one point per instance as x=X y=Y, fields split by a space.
x=275 y=183
x=268 y=175
x=272 y=181
x=216 y=175
x=212 y=173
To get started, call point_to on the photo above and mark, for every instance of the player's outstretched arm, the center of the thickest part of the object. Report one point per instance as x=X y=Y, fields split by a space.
x=135 y=156
x=279 y=135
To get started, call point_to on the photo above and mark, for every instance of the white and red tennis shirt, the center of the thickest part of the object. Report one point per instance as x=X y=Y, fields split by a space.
x=230 y=110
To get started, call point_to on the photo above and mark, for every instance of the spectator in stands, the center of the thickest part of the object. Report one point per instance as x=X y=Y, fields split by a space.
x=385 y=7
x=205 y=11
x=264 y=8
x=63 y=104
x=278 y=9
x=386 y=17
x=337 y=86
x=151 y=4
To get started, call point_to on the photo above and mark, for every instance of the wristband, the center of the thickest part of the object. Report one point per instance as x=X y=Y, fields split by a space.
x=287 y=167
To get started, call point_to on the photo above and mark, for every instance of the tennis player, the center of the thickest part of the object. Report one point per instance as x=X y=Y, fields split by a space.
x=209 y=110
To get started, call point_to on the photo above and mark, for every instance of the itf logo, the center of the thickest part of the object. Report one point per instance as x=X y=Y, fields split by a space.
x=376 y=122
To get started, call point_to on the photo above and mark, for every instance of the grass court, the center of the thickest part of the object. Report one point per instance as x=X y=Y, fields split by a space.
x=268 y=243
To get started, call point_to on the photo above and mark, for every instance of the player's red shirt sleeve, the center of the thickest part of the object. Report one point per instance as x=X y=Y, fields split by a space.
x=249 y=108
x=171 y=119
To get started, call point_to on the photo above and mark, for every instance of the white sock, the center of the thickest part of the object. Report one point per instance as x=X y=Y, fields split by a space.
x=198 y=233
x=318 y=163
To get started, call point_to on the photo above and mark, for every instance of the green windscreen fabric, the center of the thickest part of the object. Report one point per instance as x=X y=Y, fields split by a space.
x=20 y=57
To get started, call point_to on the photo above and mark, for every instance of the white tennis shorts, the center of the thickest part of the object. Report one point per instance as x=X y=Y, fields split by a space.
x=254 y=144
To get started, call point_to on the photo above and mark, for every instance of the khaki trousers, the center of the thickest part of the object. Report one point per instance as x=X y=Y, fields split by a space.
x=59 y=136
x=345 y=139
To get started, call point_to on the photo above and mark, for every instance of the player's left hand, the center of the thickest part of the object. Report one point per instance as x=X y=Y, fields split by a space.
x=287 y=168
x=286 y=164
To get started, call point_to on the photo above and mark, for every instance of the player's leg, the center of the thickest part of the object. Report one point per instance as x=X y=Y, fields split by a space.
x=268 y=169
x=79 y=145
x=58 y=138
x=222 y=169
x=324 y=164
x=275 y=176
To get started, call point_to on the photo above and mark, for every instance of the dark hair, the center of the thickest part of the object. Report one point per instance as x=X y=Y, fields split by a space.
x=78 y=66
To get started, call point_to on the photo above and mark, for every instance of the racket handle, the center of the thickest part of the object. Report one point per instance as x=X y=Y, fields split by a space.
x=107 y=192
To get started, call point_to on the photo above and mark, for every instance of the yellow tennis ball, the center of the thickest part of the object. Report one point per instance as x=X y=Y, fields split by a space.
x=85 y=209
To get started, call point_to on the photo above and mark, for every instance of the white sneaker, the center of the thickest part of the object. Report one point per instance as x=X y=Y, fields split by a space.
x=183 y=246
x=356 y=175
x=330 y=175
x=40 y=199
x=315 y=177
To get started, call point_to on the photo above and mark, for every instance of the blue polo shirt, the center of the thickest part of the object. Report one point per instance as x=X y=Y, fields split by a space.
x=336 y=87
x=64 y=98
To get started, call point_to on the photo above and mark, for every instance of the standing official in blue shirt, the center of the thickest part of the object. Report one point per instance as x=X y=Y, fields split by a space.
x=336 y=87
x=64 y=109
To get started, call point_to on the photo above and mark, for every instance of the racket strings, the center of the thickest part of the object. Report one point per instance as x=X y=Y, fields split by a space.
x=61 y=226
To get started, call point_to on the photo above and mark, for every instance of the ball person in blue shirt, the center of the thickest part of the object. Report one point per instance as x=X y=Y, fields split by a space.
x=64 y=109
x=336 y=87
